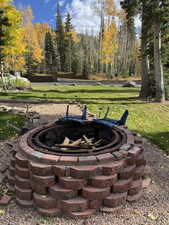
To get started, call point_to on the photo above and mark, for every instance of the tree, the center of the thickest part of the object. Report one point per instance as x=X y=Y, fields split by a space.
x=109 y=39
x=50 y=54
x=132 y=8
x=60 y=38
x=12 y=46
x=11 y=21
x=4 y=23
x=109 y=45
x=160 y=12
x=165 y=52
x=147 y=83
x=69 y=43
x=153 y=16
x=33 y=56
x=42 y=29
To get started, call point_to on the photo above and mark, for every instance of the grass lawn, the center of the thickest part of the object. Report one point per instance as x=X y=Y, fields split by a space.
x=149 y=119
x=6 y=132
x=86 y=94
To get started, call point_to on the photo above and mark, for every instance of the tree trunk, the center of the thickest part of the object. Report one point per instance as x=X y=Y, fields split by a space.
x=145 y=83
x=101 y=33
x=158 y=68
x=4 y=86
x=145 y=88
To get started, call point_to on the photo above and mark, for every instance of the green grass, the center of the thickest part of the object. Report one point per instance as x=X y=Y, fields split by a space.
x=86 y=94
x=5 y=131
x=149 y=119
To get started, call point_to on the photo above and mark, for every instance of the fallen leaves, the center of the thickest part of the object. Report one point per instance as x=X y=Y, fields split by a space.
x=151 y=217
x=2 y=212
x=136 y=212
x=162 y=166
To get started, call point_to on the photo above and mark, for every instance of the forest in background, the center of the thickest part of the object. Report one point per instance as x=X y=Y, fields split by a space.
x=114 y=51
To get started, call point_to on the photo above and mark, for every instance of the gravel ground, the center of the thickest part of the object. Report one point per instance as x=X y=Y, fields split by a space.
x=48 y=112
x=152 y=208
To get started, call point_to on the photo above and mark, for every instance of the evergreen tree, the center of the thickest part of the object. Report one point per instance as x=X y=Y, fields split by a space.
x=146 y=38
x=69 y=44
x=154 y=16
x=60 y=38
x=160 y=18
x=132 y=9
x=165 y=52
x=50 y=54
x=68 y=23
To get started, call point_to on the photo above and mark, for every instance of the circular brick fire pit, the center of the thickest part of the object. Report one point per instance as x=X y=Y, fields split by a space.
x=58 y=179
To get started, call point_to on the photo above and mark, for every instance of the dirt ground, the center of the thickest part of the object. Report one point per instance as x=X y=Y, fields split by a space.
x=152 y=208
x=48 y=112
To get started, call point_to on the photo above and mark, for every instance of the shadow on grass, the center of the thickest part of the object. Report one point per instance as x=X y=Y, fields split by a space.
x=118 y=100
x=157 y=160
x=89 y=91
x=160 y=139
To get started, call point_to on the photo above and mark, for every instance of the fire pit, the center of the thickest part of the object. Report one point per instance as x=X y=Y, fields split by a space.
x=77 y=167
x=50 y=140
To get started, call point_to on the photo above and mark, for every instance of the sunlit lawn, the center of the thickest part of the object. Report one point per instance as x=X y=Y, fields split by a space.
x=85 y=93
x=149 y=119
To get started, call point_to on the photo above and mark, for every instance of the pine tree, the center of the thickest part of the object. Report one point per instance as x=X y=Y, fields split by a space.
x=165 y=53
x=51 y=57
x=132 y=9
x=160 y=17
x=69 y=44
x=49 y=52
x=154 y=16
x=68 y=23
x=60 y=38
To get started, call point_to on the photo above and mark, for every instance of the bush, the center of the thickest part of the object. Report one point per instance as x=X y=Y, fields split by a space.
x=20 y=83
x=15 y=82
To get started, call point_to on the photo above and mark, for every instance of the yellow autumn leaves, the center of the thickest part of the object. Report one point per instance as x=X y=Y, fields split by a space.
x=23 y=37
x=5 y=3
x=109 y=45
x=109 y=41
x=73 y=34
x=15 y=46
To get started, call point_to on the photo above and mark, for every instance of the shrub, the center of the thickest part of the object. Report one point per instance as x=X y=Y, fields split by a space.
x=20 y=83
x=14 y=82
